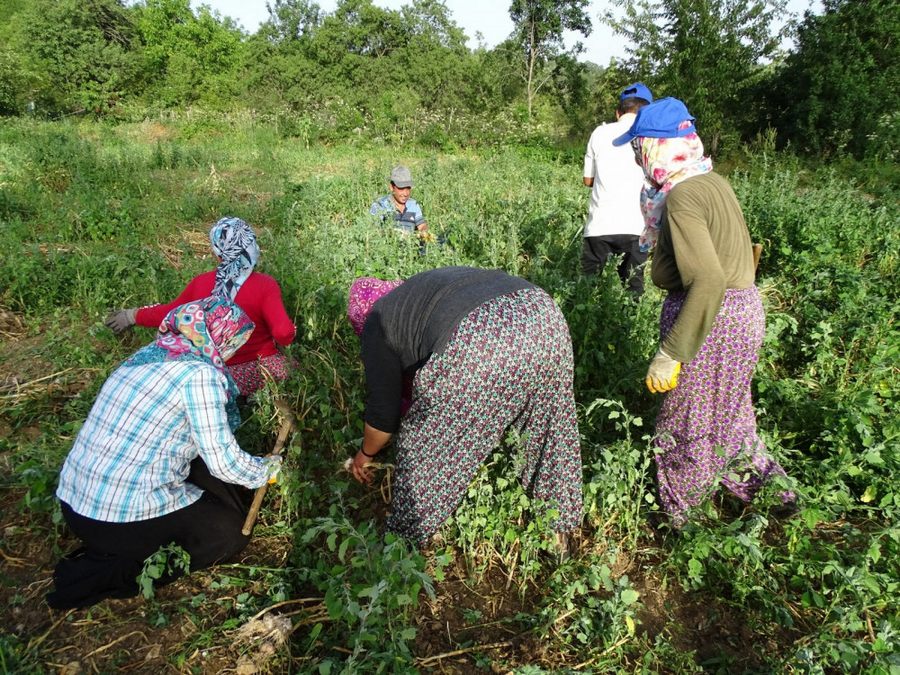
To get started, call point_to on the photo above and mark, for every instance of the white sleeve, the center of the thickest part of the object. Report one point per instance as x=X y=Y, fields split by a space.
x=589 y=159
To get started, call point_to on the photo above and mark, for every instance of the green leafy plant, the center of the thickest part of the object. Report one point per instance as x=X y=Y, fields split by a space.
x=498 y=522
x=589 y=608
x=166 y=563
x=372 y=585
x=617 y=488
x=101 y=215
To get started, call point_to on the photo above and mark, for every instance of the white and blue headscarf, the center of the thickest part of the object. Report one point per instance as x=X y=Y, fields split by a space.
x=234 y=242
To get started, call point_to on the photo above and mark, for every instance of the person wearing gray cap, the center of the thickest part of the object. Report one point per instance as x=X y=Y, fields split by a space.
x=614 y=216
x=398 y=208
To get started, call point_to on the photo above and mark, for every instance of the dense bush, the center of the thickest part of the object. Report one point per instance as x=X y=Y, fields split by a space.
x=408 y=74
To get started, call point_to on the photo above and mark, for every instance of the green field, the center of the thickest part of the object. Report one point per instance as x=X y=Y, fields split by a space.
x=95 y=216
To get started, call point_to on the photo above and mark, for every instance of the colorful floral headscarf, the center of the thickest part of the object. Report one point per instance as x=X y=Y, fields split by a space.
x=209 y=330
x=234 y=242
x=666 y=162
x=364 y=293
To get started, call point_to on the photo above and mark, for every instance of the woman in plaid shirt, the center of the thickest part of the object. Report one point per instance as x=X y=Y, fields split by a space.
x=156 y=461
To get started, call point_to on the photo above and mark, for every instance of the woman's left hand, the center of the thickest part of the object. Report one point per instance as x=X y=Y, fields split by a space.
x=662 y=375
x=359 y=467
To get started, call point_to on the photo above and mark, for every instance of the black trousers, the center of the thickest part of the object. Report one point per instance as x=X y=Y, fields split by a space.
x=113 y=553
x=596 y=251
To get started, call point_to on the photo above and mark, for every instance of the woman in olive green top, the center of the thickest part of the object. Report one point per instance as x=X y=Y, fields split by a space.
x=712 y=323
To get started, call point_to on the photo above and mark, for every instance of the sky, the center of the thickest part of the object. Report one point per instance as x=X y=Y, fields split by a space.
x=488 y=17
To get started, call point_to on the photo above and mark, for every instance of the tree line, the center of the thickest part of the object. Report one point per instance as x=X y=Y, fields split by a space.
x=371 y=70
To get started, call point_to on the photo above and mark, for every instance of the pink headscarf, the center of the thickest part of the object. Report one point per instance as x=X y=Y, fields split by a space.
x=666 y=162
x=364 y=293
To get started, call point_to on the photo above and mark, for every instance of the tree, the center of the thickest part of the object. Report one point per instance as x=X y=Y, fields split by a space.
x=709 y=53
x=187 y=57
x=539 y=27
x=291 y=20
x=434 y=55
x=13 y=82
x=838 y=89
x=18 y=79
x=375 y=60
x=575 y=83
x=83 y=51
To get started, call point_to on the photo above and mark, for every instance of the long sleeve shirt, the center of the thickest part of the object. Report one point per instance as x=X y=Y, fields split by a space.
x=703 y=248
x=259 y=297
x=416 y=320
x=131 y=458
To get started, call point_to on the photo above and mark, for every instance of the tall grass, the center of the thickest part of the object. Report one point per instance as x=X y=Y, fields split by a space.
x=99 y=216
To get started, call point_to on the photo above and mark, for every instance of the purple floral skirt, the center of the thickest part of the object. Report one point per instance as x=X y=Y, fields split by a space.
x=706 y=427
x=249 y=376
x=508 y=365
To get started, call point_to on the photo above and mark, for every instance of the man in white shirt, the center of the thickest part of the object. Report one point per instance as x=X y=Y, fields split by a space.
x=615 y=221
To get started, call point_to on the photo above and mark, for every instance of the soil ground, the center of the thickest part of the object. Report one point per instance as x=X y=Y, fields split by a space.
x=476 y=622
x=192 y=625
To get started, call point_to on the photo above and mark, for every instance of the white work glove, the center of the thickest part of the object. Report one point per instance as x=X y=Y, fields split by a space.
x=662 y=375
x=274 y=468
x=121 y=320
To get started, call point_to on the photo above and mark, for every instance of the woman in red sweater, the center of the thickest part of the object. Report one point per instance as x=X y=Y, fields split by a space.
x=259 y=295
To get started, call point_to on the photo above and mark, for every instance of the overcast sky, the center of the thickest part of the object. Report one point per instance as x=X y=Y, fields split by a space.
x=488 y=17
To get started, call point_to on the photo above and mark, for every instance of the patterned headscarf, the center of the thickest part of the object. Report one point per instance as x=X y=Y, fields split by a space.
x=666 y=162
x=210 y=330
x=234 y=242
x=364 y=292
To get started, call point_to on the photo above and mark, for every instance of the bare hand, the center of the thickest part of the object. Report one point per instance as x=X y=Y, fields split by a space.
x=360 y=470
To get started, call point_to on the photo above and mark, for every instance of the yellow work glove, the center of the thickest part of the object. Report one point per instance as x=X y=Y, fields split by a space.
x=274 y=468
x=662 y=375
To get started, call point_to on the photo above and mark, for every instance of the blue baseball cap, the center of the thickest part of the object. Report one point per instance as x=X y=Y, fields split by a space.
x=660 y=119
x=637 y=90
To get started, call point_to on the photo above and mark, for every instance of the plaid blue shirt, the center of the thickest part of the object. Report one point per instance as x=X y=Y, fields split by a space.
x=133 y=454
x=407 y=221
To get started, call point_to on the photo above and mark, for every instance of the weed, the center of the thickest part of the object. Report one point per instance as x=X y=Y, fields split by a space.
x=371 y=585
x=96 y=217
x=497 y=522
x=165 y=564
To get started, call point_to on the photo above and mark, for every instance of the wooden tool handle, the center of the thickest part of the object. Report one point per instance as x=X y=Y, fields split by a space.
x=287 y=425
x=250 y=520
